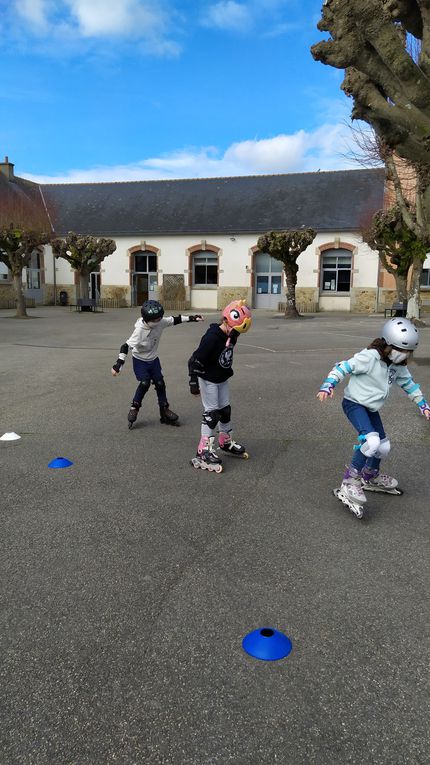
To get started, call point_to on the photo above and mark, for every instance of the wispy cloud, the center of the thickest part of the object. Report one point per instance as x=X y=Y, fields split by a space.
x=76 y=22
x=241 y=17
x=326 y=148
x=228 y=14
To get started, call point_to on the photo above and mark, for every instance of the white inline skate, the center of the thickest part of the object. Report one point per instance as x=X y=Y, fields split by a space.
x=351 y=493
x=373 y=480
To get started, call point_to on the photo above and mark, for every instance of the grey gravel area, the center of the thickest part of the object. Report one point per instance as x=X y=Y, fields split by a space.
x=130 y=579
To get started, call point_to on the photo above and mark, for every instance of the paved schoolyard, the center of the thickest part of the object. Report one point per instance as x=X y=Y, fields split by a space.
x=130 y=579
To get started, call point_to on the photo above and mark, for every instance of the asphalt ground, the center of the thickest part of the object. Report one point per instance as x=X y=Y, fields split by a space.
x=130 y=579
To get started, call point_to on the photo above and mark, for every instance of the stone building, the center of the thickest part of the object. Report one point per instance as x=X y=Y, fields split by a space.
x=193 y=243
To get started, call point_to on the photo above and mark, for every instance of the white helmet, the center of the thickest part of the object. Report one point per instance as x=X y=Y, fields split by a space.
x=401 y=333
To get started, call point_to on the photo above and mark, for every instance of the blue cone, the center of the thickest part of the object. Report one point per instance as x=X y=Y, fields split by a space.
x=267 y=644
x=60 y=462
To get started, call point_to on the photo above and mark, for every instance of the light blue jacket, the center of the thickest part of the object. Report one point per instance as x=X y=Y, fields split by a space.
x=371 y=380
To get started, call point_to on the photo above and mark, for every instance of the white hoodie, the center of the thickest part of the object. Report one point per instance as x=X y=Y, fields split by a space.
x=145 y=340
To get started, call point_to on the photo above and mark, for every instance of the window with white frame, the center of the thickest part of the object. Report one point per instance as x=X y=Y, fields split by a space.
x=205 y=269
x=425 y=278
x=336 y=271
x=4 y=272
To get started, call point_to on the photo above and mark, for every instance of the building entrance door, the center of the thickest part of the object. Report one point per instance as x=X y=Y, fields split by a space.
x=268 y=281
x=34 y=278
x=140 y=288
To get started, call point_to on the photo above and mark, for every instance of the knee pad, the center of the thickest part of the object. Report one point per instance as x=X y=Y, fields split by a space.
x=224 y=414
x=211 y=419
x=160 y=385
x=384 y=448
x=144 y=386
x=370 y=445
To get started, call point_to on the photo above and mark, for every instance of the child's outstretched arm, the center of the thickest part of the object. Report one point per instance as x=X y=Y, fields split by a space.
x=172 y=321
x=116 y=368
x=356 y=365
x=405 y=380
x=334 y=377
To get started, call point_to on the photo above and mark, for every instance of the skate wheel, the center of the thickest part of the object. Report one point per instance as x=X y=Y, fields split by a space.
x=245 y=456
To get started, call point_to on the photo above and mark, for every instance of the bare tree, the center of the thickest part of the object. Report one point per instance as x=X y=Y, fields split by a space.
x=387 y=73
x=286 y=246
x=24 y=226
x=84 y=253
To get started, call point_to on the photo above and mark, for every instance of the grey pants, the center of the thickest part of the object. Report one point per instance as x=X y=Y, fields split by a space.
x=214 y=396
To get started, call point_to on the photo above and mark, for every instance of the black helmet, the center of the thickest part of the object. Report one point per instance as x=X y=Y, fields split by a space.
x=152 y=310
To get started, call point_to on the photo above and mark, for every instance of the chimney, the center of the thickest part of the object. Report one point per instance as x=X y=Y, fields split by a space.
x=6 y=168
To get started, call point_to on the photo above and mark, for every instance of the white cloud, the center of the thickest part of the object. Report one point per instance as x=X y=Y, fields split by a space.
x=325 y=148
x=34 y=12
x=227 y=14
x=70 y=21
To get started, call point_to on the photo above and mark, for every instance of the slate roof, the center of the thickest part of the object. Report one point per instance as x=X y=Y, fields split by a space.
x=326 y=201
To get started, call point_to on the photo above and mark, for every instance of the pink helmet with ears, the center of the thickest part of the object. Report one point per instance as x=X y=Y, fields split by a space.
x=238 y=316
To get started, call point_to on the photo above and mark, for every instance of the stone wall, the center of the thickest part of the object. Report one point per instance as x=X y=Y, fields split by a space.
x=227 y=294
x=119 y=294
x=307 y=299
x=7 y=293
x=363 y=300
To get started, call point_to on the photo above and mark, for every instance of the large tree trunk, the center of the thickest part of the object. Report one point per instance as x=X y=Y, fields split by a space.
x=291 y=311
x=402 y=288
x=21 y=312
x=413 y=312
x=83 y=285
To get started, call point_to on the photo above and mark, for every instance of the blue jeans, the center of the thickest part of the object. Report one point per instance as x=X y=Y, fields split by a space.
x=364 y=421
x=147 y=372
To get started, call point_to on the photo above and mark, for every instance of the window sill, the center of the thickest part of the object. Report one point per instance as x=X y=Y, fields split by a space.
x=204 y=286
x=335 y=294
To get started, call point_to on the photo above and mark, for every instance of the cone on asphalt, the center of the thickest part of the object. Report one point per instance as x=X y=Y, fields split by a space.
x=267 y=644
x=60 y=462
x=10 y=437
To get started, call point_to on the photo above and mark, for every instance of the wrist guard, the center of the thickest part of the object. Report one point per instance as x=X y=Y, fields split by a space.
x=118 y=364
x=327 y=387
x=423 y=407
x=194 y=385
x=195 y=317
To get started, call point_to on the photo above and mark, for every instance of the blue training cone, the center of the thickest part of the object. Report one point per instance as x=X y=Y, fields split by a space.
x=60 y=462
x=267 y=644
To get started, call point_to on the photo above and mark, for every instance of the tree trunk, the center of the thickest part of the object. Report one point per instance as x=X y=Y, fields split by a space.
x=291 y=311
x=83 y=286
x=413 y=312
x=21 y=312
x=402 y=288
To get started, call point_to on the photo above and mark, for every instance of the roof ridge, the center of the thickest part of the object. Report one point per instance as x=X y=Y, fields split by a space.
x=208 y=178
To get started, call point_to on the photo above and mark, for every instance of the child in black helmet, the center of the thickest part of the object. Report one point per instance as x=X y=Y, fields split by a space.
x=373 y=370
x=144 y=343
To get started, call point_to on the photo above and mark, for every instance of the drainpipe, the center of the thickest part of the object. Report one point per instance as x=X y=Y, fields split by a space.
x=55 y=280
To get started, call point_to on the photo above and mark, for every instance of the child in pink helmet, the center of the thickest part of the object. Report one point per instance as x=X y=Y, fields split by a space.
x=210 y=368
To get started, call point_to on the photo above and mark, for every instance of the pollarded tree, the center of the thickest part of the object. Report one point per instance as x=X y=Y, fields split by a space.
x=24 y=226
x=389 y=81
x=286 y=246
x=401 y=253
x=84 y=253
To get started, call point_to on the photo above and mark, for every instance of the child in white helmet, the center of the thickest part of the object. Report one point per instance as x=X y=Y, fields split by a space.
x=373 y=370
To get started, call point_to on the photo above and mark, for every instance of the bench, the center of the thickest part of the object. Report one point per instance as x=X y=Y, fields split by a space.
x=397 y=309
x=86 y=304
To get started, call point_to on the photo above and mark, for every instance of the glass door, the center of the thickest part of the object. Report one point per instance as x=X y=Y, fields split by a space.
x=268 y=282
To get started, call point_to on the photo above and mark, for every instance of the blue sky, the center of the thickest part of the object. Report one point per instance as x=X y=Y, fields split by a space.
x=100 y=90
